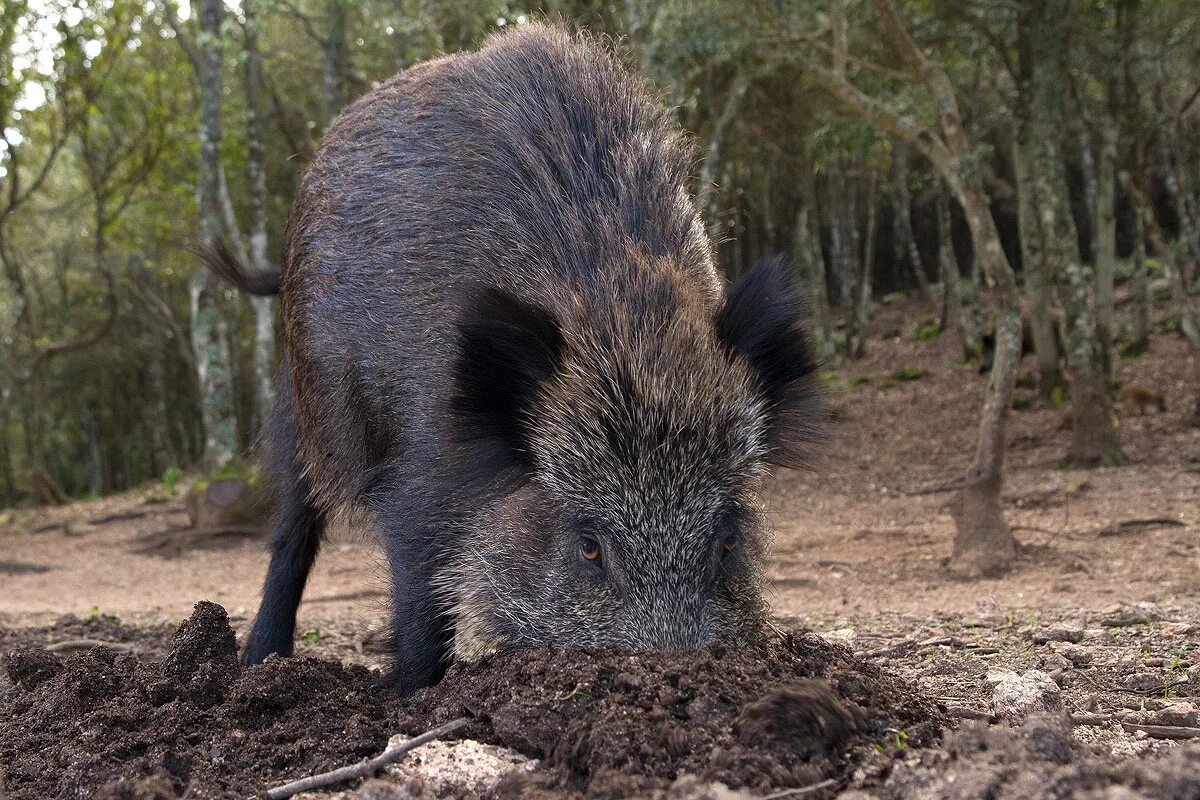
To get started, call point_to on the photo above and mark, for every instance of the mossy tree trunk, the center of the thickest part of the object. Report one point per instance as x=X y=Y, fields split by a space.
x=1041 y=30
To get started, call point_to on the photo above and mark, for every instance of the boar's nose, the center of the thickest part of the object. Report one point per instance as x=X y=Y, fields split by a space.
x=674 y=623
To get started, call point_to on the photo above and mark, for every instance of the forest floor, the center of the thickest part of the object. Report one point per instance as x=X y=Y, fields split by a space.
x=1105 y=605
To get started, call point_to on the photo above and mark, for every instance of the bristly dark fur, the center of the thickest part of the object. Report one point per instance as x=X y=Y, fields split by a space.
x=504 y=331
x=223 y=262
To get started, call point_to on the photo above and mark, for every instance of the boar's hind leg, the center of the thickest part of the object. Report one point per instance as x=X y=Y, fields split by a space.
x=296 y=529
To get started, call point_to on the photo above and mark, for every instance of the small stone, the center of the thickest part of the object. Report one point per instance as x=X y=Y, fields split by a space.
x=1153 y=662
x=1055 y=662
x=844 y=636
x=1184 y=715
x=459 y=767
x=1058 y=632
x=1193 y=676
x=1016 y=696
x=1144 y=681
x=1078 y=655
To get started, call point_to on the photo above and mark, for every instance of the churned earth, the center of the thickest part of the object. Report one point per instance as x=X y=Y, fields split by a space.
x=1077 y=674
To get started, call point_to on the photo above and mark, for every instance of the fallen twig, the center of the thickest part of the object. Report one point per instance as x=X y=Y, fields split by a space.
x=961 y=712
x=1134 y=525
x=1162 y=731
x=909 y=644
x=362 y=769
x=73 y=645
x=119 y=516
x=945 y=487
x=802 y=790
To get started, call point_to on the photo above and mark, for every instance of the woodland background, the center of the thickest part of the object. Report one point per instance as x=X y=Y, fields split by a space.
x=1007 y=161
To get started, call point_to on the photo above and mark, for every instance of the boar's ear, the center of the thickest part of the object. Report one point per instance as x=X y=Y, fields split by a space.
x=763 y=321
x=507 y=348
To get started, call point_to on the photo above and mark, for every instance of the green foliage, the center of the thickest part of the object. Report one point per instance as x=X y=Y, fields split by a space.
x=860 y=380
x=1132 y=350
x=1160 y=292
x=908 y=372
x=929 y=331
x=1170 y=323
x=170 y=478
x=1058 y=396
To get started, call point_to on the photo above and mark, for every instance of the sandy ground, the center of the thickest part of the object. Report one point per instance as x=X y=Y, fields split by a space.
x=859 y=538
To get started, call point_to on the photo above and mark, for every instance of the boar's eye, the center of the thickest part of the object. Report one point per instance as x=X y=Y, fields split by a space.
x=589 y=549
x=728 y=545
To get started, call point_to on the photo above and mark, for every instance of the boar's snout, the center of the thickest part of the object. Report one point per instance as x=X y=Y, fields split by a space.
x=674 y=619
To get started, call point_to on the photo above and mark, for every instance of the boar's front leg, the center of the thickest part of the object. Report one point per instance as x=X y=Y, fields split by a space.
x=421 y=627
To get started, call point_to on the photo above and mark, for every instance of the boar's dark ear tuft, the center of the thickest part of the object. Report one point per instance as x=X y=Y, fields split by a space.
x=507 y=348
x=763 y=321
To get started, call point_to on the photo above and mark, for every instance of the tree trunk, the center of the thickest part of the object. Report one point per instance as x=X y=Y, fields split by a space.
x=213 y=370
x=952 y=309
x=1106 y=245
x=851 y=250
x=8 y=481
x=861 y=313
x=1041 y=32
x=706 y=193
x=1140 y=292
x=904 y=229
x=837 y=258
x=812 y=266
x=809 y=217
x=264 y=313
x=335 y=52
x=1038 y=277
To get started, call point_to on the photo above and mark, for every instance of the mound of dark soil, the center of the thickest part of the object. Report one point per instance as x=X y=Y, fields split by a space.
x=613 y=724
x=100 y=723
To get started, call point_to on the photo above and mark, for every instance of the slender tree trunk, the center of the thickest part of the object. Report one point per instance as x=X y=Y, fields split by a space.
x=952 y=308
x=1094 y=437
x=706 y=194
x=1106 y=245
x=904 y=229
x=851 y=251
x=1087 y=162
x=809 y=229
x=837 y=258
x=333 y=71
x=861 y=312
x=263 y=307
x=8 y=479
x=813 y=269
x=1037 y=272
x=213 y=370
x=1140 y=292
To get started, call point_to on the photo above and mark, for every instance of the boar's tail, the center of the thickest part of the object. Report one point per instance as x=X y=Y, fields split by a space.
x=223 y=262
